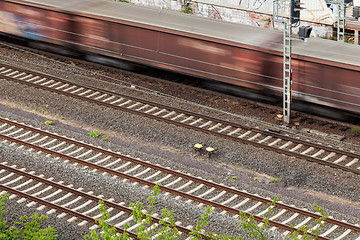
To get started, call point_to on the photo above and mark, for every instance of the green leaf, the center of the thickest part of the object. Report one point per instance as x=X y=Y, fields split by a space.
x=94 y=133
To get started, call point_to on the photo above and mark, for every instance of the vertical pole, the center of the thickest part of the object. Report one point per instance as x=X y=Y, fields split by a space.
x=287 y=70
x=356 y=38
x=275 y=12
x=341 y=21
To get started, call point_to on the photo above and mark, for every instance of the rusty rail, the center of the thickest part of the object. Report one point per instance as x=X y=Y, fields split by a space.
x=212 y=184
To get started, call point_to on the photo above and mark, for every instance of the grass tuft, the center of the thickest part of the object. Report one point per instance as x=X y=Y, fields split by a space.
x=94 y=133
x=49 y=122
x=274 y=180
x=355 y=131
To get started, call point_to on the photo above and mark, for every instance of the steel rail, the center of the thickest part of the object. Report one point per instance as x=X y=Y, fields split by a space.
x=232 y=210
x=154 y=166
x=58 y=207
x=163 y=169
x=85 y=195
x=212 y=184
x=161 y=119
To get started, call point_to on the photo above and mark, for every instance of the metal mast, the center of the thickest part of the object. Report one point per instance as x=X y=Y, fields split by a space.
x=281 y=18
x=294 y=17
x=287 y=70
x=340 y=21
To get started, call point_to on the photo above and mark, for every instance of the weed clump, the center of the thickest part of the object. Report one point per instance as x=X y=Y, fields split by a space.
x=187 y=9
x=106 y=138
x=94 y=133
x=355 y=131
x=274 y=180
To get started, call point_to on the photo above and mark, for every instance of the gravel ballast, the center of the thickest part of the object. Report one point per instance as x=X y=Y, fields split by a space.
x=300 y=182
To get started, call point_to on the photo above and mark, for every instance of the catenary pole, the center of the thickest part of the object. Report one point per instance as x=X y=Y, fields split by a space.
x=287 y=71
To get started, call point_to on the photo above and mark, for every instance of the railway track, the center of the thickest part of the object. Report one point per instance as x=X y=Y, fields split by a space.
x=227 y=200
x=68 y=202
x=266 y=139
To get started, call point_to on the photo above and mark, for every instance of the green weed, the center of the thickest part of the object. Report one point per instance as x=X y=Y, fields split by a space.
x=94 y=133
x=274 y=180
x=355 y=131
x=142 y=216
x=49 y=122
x=187 y=9
x=106 y=138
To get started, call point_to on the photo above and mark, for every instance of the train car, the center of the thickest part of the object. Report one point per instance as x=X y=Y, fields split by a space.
x=325 y=73
x=44 y=24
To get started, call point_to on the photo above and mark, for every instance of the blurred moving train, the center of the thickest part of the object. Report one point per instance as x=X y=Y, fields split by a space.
x=326 y=74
